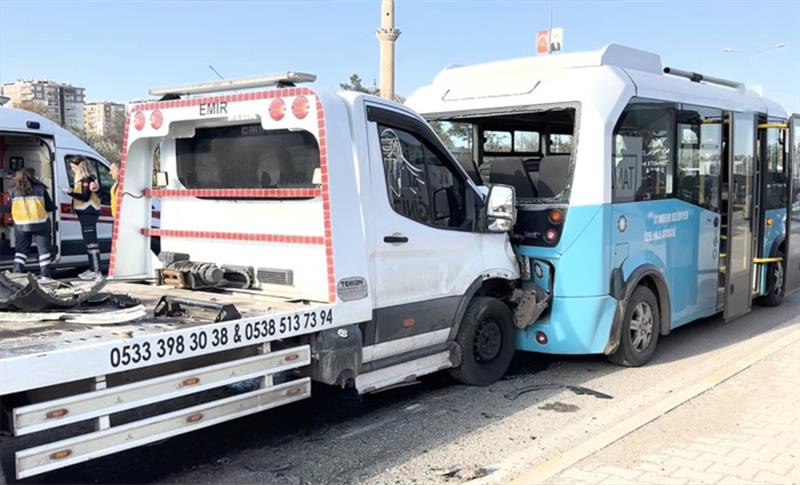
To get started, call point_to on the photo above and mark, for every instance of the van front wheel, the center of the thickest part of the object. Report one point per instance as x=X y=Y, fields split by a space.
x=486 y=339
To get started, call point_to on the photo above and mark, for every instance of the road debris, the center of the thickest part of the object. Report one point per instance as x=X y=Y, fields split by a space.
x=579 y=390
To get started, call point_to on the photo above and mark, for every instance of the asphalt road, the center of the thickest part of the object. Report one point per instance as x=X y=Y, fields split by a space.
x=436 y=431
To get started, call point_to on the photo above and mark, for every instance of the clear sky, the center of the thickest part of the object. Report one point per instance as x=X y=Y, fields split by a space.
x=119 y=49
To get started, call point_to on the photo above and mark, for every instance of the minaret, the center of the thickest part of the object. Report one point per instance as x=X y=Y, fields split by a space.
x=387 y=35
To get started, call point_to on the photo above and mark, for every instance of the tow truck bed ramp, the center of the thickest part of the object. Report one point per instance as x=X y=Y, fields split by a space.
x=209 y=340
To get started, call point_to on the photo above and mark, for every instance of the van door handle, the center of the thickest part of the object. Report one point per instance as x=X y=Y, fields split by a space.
x=395 y=239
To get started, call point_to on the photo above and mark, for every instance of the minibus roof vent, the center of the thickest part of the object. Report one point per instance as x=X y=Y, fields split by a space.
x=285 y=79
x=697 y=77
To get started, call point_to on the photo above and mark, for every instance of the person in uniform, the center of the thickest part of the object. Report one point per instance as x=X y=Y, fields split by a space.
x=86 y=204
x=30 y=205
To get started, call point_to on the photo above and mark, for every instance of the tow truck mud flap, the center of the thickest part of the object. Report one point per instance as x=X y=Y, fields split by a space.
x=34 y=296
x=101 y=403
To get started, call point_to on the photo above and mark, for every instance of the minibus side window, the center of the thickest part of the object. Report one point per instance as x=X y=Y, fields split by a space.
x=642 y=153
x=776 y=178
x=699 y=156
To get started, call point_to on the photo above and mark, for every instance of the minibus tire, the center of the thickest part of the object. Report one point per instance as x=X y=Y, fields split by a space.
x=486 y=339
x=626 y=354
x=775 y=271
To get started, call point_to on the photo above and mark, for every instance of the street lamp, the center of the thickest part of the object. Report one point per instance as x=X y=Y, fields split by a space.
x=730 y=50
x=753 y=55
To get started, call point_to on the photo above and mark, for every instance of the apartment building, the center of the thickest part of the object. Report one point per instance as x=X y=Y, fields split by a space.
x=64 y=102
x=103 y=118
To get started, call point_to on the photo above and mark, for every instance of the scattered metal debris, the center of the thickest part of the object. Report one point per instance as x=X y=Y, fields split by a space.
x=31 y=294
x=85 y=317
x=580 y=390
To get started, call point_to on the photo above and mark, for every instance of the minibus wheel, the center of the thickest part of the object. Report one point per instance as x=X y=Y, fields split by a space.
x=640 y=329
x=486 y=339
x=775 y=278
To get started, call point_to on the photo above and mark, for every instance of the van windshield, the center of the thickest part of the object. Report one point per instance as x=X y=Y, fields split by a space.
x=247 y=157
x=531 y=151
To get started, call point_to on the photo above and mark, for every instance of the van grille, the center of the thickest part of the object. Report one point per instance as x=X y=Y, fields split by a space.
x=273 y=276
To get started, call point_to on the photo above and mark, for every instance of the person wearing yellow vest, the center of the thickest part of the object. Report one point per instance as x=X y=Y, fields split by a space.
x=30 y=205
x=86 y=205
x=114 y=171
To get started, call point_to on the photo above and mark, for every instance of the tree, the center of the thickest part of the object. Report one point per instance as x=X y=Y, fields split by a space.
x=38 y=108
x=355 y=84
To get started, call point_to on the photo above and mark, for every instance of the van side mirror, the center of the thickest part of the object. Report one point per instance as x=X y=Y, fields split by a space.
x=501 y=210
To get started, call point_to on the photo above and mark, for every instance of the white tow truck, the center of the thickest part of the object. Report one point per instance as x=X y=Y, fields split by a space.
x=305 y=235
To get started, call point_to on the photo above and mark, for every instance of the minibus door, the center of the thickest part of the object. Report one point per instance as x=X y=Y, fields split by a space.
x=792 y=265
x=741 y=200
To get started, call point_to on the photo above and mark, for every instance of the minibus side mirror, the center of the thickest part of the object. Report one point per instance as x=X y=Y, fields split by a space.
x=501 y=210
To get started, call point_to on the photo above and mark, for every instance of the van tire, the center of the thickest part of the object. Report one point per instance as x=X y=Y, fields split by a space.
x=640 y=329
x=486 y=339
x=775 y=281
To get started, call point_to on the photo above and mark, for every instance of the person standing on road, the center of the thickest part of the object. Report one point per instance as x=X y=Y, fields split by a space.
x=86 y=204
x=30 y=205
x=114 y=171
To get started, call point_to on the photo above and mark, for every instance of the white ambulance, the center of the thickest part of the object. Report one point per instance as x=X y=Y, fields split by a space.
x=30 y=140
x=305 y=234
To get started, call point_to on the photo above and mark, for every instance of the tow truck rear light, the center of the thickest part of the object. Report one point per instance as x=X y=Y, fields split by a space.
x=156 y=119
x=300 y=107
x=277 y=109
x=139 y=120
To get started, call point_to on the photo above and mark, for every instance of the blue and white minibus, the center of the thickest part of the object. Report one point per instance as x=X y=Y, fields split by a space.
x=648 y=197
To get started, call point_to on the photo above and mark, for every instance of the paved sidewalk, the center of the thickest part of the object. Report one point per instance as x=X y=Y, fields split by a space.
x=745 y=430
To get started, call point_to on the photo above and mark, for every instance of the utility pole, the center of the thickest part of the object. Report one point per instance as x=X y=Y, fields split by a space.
x=387 y=35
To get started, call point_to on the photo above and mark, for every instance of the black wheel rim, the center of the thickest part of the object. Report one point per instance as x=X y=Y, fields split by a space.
x=488 y=341
x=777 y=275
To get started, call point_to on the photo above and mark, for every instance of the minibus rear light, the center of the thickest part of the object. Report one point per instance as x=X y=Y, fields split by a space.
x=300 y=107
x=277 y=109
x=541 y=338
x=551 y=235
x=555 y=217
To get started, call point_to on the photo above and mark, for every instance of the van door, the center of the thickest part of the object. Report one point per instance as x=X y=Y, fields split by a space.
x=428 y=250
x=792 y=265
x=740 y=214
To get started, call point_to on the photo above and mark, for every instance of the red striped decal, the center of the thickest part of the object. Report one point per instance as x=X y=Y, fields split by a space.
x=105 y=211
x=236 y=236
x=236 y=193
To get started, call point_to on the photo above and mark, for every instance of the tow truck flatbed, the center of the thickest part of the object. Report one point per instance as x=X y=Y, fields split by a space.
x=80 y=351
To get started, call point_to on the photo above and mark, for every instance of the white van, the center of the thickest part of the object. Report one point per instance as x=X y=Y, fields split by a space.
x=30 y=140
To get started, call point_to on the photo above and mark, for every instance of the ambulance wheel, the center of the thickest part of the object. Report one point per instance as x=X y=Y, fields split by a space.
x=486 y=339
x=775 y=280
x=640 y=329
